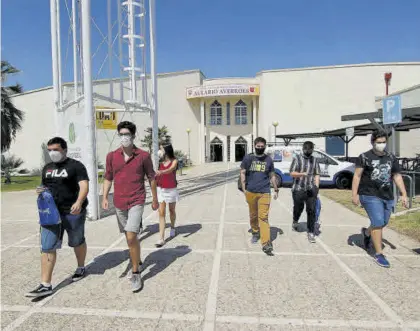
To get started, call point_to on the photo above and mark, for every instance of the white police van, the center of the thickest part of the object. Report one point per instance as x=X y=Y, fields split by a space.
x=333 y=172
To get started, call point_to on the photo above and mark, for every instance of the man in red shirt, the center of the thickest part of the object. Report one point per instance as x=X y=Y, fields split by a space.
x=126 y=167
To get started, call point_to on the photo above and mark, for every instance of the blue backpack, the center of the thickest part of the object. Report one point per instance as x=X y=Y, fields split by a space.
x=318 y=209
x=48 y=211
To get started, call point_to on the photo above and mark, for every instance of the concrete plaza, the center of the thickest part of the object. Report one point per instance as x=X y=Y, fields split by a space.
x=210 y=277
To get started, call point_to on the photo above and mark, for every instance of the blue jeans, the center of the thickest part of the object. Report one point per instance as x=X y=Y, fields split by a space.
x=378 y=210
x=52 y=236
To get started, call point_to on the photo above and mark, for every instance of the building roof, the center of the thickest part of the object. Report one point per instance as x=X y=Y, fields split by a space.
x=99 y=81
x=377 y=64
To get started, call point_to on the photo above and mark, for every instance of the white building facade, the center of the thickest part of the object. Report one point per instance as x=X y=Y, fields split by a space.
x=214 y=120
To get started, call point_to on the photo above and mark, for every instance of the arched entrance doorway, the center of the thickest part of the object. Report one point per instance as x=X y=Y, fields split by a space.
x=241 y=148
x=216 y=150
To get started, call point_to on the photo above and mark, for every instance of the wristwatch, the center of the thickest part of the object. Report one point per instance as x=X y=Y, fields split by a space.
x=277 y=190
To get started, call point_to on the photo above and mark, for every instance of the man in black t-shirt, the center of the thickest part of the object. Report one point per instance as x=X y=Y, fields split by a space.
x=373 y=189
x=68 y=182
x=257 y=172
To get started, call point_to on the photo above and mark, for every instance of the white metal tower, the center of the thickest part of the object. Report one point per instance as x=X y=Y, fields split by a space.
x=126 y=48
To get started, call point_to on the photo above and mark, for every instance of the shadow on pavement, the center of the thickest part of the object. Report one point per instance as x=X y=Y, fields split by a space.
x=108 y=261
x=100 y=264
x=416 y=250
x=302 y=227
x=160 y=259
x=357 y=240
x=163 y=258
x=274 y=232
x=187 y=230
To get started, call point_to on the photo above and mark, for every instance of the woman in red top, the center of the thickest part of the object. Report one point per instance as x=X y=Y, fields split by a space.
x=167 y=190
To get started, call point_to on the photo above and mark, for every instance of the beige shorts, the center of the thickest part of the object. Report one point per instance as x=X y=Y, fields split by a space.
x=130 y=220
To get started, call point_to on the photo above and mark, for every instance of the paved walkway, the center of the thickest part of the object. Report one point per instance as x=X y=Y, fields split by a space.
x=210 y=277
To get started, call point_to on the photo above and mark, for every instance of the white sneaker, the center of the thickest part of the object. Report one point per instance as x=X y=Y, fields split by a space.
x=130 y=272
x=160 y=243
x=173 y=233
x=136 y=283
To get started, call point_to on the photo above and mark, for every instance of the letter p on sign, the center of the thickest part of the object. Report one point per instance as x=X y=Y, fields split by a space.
x=390 y=103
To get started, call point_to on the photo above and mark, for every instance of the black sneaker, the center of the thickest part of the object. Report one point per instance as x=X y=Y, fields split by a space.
x=255 y=237
x=295 y=225
x=78 y=274
x=366 y=238
x=40 y=291
x=268 y=249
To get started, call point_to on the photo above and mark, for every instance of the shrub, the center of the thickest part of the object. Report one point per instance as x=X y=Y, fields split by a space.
x=9 y=167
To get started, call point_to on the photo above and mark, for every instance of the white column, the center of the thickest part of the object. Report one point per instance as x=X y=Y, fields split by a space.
x=89 y=112
x=202 y=133
x=155 y=120
x=55 y=60
x=254 y=117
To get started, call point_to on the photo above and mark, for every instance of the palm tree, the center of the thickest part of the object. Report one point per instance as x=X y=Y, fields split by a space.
x=11 y=117
x=163 y=137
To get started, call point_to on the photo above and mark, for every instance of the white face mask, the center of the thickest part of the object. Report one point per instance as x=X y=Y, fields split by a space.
x=161 y=154
x=56 y=156
x=126 y=141
x=380 y=147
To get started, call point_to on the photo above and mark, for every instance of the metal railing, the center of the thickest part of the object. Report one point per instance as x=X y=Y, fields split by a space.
x=412 y=176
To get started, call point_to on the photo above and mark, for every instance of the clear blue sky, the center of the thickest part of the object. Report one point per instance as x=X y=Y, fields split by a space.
x=234 y=37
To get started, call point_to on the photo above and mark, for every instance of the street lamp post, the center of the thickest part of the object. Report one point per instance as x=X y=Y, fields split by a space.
x=189 y=149
x=275 y=124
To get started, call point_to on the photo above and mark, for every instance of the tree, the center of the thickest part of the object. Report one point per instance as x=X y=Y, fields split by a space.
x=9 y=166
x=163 y=137
x=11 y=117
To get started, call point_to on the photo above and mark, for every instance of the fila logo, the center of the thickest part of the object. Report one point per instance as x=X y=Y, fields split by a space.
x=56 y=173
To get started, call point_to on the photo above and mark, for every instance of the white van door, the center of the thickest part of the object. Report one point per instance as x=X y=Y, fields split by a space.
x=328 y=166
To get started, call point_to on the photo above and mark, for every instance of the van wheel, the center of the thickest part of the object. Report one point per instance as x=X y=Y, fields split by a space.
x=343 y=181
x=278 y=181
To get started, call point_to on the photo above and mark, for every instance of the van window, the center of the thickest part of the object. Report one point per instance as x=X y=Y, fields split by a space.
x=323 y=158
x=277 y=156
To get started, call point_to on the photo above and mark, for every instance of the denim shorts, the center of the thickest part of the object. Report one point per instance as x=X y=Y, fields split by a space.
x=378 y=210
x=52 y=236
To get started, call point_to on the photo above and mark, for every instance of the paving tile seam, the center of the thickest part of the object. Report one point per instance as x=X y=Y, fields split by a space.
x=211 y=305
x=242 y=252
x=21 y=319
x=290 y=224
x=104 y=313
x=250 y=320
x=366 y=324
x=19 y=242
x=386 y=309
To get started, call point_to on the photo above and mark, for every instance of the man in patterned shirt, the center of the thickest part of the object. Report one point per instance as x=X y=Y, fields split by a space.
x=306 y=175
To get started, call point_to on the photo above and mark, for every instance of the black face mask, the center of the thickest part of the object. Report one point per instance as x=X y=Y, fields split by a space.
x=259 y=151
x=308 y=153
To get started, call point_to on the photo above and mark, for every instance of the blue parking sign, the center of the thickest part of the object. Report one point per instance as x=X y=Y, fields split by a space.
x=391 y=109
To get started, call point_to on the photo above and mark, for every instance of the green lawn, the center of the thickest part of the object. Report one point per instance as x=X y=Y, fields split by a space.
x=21 y=183
x=408 y=224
